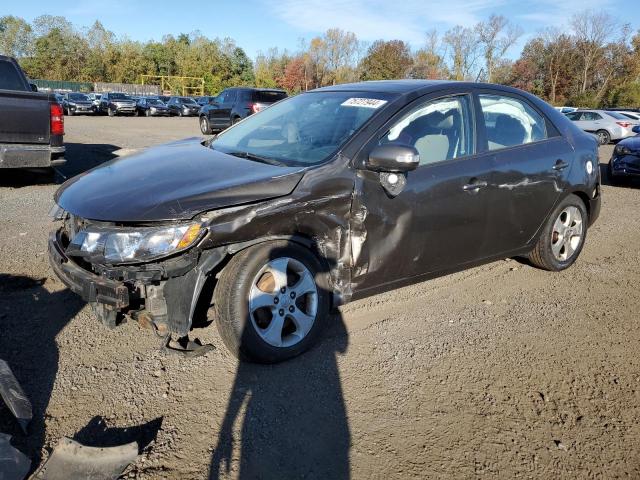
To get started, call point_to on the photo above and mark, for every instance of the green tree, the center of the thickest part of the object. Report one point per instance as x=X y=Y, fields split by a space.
x=16 y=37
x=386 y=60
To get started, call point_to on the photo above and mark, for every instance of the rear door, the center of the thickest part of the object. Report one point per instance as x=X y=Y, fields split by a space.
x=531 y=163
x=24 y=115
x=216 y=110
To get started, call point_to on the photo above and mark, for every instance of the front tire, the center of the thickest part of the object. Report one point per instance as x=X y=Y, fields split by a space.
x=562 y=237
x=111 y=112
x=271 y=302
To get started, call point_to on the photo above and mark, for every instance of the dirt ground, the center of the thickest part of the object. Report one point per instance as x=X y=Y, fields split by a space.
x=503 y=370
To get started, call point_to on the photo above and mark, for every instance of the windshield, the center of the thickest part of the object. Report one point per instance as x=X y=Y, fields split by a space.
x=119 y=96
x=154 y=101
x=304 y=130
x=187 y=100
x=78 y=96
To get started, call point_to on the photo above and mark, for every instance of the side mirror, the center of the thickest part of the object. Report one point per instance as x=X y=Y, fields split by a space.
x=393 y=158
x=636 y=129
x=34 y=87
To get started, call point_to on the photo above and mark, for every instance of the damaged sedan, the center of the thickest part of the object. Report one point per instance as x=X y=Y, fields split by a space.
x=326 y=197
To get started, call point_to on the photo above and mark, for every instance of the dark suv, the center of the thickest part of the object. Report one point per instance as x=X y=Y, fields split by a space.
x=234 y=104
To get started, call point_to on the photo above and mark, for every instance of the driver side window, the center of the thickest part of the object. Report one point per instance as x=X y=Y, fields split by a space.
x=439 y=129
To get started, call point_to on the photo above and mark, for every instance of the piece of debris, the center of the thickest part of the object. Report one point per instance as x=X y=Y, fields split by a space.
x=14 y=397
x=560 y=445
x=14 y=465
x=185 y=346
x=71 y=460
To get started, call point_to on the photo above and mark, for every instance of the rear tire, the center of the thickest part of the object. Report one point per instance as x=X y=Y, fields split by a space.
x=235 y=120
x=562 y=237
x=603 y=137
x=249 y=331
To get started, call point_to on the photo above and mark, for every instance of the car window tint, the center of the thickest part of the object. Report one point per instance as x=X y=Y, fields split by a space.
x=10 y=79
x=439 y=129
x=573 y=116
x=267 y=96
x=222 y=97
x=510 y=122
x=231 y=96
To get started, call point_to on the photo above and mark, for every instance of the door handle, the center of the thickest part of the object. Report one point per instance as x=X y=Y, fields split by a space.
x=473 y=186
x=560 y=165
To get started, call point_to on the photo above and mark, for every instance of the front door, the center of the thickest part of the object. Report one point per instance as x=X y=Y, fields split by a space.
x=439 y=220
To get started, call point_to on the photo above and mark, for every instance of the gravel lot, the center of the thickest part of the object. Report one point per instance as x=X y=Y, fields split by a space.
x=503 y=370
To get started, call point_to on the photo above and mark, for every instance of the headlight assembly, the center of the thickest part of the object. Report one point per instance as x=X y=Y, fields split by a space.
x=622 y=150
x=122 y=245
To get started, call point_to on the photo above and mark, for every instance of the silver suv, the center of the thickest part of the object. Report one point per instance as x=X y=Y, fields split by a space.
x=607 y=126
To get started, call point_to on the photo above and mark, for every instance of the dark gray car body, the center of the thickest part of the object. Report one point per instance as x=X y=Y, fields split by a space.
x=371 y=241
x=25 y=129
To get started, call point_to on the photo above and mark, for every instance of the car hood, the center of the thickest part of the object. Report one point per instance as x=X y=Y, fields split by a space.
x=632 y=143
x=175 y=181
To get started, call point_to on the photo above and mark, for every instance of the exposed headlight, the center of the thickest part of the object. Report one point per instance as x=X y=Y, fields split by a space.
x=622 y=150
x=131 y=246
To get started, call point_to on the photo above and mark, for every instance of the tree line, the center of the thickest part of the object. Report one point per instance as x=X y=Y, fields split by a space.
x=594 y=62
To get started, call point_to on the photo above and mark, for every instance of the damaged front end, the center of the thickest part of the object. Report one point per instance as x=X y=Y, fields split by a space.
x=151 y=273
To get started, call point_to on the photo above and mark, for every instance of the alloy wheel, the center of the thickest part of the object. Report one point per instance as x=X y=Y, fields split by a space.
x=283 y=302
x=567 y=233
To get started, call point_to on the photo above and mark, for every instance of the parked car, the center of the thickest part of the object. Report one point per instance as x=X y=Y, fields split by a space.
x=31 y=123
x=234 y=104
x=606 y=125
x=625 y=161
x=59 y=97
x=164 y=98
x=329 y=196
x=566 y=109
x=76 y=103
x=151 y=107
x=115 y=103
x=95 y=101
x=183 y=106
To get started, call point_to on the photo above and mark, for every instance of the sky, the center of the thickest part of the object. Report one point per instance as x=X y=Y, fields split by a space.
x=257 y=25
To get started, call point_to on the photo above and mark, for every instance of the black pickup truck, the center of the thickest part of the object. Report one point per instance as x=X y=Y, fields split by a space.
x=31 y=123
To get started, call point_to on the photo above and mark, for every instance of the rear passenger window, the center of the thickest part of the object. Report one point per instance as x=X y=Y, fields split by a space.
x=510 y=122
x=231 y=96
x=9 y=77
x=439 y=129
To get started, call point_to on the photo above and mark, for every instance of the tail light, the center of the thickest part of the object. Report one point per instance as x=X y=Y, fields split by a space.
x=57 y=119
x=255 y=107
x=624 y=124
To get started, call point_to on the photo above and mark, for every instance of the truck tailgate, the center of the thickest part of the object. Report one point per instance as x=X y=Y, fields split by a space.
x=24 y=117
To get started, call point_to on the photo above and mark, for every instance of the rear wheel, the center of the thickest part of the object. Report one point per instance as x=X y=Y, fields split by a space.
x=205 y=128
x=235 y=120
x=603 y=137
x=271 y=302
x=563 y=236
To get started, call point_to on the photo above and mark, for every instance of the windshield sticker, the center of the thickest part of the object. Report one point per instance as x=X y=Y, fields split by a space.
x=364 y=102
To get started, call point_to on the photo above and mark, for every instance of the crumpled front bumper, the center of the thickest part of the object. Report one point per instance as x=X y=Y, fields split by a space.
x=91 y=287
x=625 y=166
x=166 y=292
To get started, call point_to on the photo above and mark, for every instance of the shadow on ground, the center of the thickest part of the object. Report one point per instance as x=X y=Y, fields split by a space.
x=30 y=319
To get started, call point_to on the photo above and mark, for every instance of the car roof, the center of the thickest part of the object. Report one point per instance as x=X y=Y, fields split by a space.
x=404 y=87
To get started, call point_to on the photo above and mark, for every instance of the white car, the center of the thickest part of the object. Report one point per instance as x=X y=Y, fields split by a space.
x=607 y=126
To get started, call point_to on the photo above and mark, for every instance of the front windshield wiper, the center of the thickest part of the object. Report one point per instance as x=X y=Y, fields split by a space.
x=257 y=158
